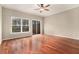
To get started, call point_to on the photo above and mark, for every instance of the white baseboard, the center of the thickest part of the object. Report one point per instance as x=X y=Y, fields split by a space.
x=72 y=37
x=0 y=42
x=68 y=37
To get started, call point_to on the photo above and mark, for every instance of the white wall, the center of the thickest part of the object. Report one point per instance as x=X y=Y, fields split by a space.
x=7 y=13
x=0 y=24
x=64 y=24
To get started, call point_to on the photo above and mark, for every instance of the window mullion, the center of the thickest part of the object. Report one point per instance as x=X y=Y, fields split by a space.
x=21 y=24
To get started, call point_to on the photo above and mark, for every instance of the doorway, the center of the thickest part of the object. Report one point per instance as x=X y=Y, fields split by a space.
x=35 y=27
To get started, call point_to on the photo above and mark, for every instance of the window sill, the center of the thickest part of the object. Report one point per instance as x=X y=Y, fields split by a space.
x=19 y=32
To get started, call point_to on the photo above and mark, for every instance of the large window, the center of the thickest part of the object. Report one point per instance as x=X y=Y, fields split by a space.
x=20 y=24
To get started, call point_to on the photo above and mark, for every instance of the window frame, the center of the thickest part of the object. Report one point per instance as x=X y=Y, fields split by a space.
x=13 y=17
x=25 y=25
x=36 y=25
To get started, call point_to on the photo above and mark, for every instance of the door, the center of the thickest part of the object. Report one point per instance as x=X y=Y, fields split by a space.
x=38 y=27
x=35 y=27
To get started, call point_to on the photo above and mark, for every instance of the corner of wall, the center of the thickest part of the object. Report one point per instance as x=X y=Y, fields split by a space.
x=0 y=24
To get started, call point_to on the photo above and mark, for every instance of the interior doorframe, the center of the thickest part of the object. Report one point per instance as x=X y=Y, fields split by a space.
x=40 y=25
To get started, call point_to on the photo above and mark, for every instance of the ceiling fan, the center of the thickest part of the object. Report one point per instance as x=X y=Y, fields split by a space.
x=42 y=7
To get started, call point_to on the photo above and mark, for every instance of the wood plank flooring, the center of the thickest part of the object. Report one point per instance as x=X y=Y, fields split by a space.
x=40 y=44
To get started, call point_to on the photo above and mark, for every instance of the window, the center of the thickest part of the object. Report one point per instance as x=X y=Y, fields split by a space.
x=25 y=26
x=20 y=25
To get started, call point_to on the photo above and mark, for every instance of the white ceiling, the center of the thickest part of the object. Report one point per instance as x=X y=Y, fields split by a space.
x=29 y=8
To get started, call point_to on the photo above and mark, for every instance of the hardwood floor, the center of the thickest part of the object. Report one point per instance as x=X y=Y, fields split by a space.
x=40 y=44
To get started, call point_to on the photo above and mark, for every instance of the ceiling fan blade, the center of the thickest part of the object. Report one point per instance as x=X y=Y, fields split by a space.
x=47 y=5
x=40 y=11
x=42 y=5
x=38 y=5
x=37 y=9
x=46 y=9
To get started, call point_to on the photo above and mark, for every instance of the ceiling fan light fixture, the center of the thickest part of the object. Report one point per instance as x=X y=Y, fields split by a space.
x=43 y=7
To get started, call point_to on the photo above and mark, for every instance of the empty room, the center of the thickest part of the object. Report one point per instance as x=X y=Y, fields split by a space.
x=39 y=28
